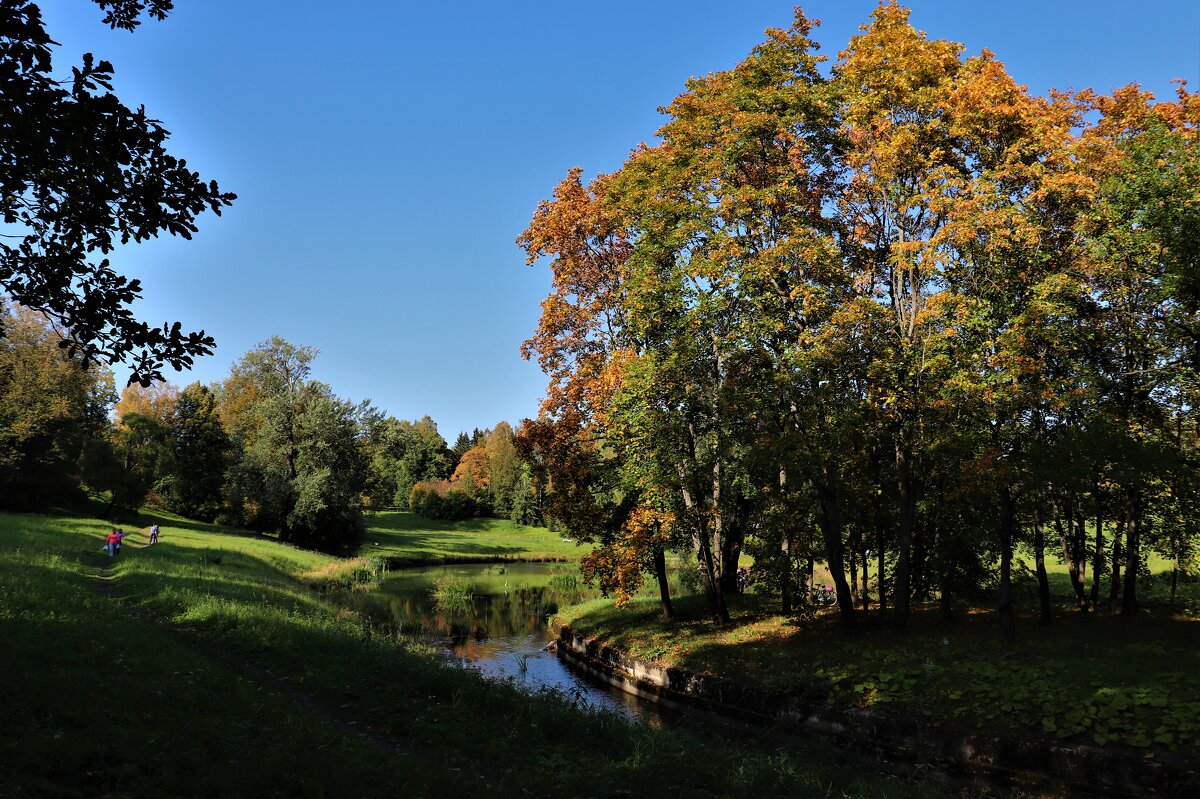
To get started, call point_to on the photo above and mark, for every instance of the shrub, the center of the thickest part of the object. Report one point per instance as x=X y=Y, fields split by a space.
x=454 y=505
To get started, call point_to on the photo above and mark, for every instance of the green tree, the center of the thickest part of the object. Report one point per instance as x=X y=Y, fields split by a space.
x=91 y=174
x=504 y=469
x=200 y=452
x=127 y=463
x=461 y=445
x=330 y=474
x=299 y=469
x=403 y=454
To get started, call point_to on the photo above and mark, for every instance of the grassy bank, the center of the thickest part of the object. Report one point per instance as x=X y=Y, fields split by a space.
x=414 y=539
x=1093 y=678
x=203 y=666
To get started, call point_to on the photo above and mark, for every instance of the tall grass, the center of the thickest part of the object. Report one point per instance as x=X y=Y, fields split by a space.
x=352 y=574
x=455 y=594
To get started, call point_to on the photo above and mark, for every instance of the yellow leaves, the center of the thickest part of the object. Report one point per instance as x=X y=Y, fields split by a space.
x=649 y=527
x=619 y=565
x=40 y=387
x=156 y=401
x=894 y=67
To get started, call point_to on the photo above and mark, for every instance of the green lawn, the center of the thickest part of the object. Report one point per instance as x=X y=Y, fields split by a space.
x=101 y=702
x=145 y=677
x=415 y=539
x=1087 y=677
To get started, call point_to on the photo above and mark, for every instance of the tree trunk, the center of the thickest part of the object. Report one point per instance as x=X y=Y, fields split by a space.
x=877 y=518
x=918 y=580
x=904 y=532
x=1129 y=604
x=831 y=529
x=1115 y=587
x=853 y=564
x=1080 y=543
x=664 y=591
x=879 y=578
x=1098 y=555
x=704 y=539
x=1039 y=554
x=1174 y=568
x=866 y=596
x=712 y=585
x=1065 y=538
x=1008 y=523
x=785 y=582
x=731 y=553
x=947 y=597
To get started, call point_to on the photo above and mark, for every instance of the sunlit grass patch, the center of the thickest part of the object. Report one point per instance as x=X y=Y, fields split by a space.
x=408 y=537
x=1086 y=678
x=107 y=703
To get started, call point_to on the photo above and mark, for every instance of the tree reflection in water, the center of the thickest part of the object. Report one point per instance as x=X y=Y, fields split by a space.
x=501 y=631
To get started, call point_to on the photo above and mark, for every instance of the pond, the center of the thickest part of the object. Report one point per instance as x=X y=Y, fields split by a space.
x=492 y=617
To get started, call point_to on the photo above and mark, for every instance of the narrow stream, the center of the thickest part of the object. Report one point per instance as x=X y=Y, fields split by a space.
x=501 y=631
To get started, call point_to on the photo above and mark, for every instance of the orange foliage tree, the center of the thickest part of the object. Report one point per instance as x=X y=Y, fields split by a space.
x=908 y=300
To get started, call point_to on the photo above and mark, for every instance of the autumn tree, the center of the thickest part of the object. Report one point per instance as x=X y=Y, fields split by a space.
x=504 y=469
x=156 y=401
x=896 y=83
x=905 y=307
x=49 y=409
x=582 y=345
x=472 y=471
x=1142 y=157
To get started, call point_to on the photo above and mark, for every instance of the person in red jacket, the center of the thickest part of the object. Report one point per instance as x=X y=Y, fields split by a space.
x=114 y=542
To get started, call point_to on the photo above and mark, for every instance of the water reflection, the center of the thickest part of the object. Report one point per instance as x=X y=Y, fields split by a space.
x=501 y=630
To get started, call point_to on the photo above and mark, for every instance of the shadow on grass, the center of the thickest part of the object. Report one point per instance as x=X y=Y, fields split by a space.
x=403 y=522
x=1095 y=678
x=433 y=547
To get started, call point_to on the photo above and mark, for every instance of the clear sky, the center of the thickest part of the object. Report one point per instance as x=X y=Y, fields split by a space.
x=386 y=155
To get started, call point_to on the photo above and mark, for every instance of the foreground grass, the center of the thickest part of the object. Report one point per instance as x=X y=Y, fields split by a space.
x=415 y=539
x=111 y=702
x=1092 y=678
x=100 y=702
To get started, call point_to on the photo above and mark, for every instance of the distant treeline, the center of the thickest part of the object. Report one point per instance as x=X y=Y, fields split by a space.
x=267 y=448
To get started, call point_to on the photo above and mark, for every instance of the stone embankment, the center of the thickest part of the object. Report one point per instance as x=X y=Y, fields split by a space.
x=1037 y=766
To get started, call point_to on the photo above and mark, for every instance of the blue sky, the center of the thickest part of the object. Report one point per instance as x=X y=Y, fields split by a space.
x=387 y=154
